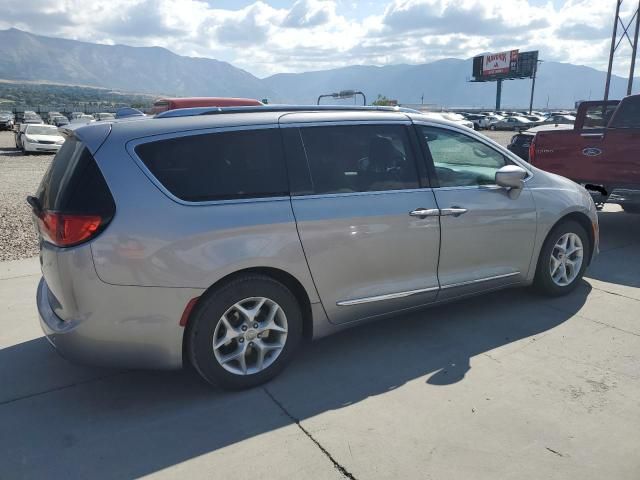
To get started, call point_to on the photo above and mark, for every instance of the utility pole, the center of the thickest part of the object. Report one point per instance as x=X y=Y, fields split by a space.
x=615 y=44
x=533 y=85
x=498 y=93
x=634 y=50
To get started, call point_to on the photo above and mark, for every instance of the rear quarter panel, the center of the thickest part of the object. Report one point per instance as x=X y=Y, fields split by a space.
x=154 y=240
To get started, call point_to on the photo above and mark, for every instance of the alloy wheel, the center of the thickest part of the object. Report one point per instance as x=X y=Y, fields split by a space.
x=250 y=336
x=566 y=259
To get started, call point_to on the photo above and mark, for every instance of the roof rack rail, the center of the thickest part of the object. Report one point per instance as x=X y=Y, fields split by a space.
x=192 y=112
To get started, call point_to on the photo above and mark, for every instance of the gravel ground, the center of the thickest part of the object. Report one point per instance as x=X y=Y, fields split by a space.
x=20 y=176
x=503 y=138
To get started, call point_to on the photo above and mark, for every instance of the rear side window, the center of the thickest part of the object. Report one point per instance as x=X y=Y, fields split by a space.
x=219 y=166
x=74 y=184
x=597 y=116
x=359 y=158
x=628 y=113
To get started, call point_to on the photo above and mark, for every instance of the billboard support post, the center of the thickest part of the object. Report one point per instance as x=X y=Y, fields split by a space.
x=533 y=86
x=508 y=65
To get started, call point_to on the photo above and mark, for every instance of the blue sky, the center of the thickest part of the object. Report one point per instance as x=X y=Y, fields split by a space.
x=271 y=36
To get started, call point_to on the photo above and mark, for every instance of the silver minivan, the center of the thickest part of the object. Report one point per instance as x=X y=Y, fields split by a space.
x=226 y=237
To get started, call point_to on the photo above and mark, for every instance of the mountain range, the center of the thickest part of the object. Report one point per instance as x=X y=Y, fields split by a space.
x=155 y=70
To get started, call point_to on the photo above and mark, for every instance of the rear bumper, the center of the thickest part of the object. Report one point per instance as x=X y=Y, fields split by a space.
x=60 y=334
x=133 y=328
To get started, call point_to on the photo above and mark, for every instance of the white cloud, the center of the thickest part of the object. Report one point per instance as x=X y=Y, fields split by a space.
x=319 y=34
x=309 y=13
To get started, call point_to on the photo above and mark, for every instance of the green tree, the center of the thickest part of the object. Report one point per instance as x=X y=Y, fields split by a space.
x=382 y=101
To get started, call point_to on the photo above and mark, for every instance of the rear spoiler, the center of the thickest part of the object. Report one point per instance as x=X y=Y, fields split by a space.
x=92 y=135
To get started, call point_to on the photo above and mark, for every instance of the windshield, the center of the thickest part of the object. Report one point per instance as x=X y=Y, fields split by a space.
x=42 y=130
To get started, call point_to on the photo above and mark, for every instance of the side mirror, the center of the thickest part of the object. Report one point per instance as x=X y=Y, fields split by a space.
x=511 y=177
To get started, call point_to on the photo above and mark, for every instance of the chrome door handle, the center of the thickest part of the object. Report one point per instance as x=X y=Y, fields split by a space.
x=425 y=212
x=453 y=211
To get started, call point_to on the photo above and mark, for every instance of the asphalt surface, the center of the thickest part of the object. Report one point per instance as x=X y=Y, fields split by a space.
x=505 y=386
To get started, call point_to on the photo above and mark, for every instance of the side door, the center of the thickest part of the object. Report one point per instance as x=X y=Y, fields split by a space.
x=487 y=238
x=367 y=219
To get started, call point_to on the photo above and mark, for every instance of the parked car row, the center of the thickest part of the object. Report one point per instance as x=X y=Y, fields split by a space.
x=7 y=120
x=502 y=120
x=54 y=117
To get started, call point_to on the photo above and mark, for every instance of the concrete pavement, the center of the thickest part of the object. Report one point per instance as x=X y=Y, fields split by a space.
x=509 y=385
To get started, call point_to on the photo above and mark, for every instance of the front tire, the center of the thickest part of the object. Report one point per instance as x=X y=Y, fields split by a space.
x=244 y=333
x=563 y=259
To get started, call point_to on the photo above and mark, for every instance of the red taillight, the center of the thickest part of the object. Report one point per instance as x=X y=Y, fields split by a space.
x=532 y=151
x=66 y=230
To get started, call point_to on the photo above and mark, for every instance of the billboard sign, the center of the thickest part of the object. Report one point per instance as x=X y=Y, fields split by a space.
x=499 y=63
x=504 y=65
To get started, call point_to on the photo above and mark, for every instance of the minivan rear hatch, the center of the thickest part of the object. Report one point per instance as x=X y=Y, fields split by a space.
x=72 y=205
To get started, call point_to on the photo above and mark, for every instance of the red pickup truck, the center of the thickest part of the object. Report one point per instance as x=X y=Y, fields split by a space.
x=602 y=151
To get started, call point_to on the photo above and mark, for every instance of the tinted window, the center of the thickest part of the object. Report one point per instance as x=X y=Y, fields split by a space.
x=74 y=184
x=597 y=116
x=628 y=114
x=215 y=166
x=460 y=160
x=359 y=158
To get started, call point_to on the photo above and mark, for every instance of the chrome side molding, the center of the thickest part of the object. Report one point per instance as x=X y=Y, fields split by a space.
x=388 y=296
x=408 y=293
x=479 y=280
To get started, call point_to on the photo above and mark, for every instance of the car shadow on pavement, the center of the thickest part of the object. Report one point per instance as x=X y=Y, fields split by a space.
x=61 y=420
x=11 y=152
x=619 y=259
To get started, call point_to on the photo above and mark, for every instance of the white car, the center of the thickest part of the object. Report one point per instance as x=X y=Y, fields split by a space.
x=41 y=138
x=450 y=116
x=82 y=119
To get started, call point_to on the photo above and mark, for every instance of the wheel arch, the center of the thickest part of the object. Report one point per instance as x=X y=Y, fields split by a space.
x=584 y=221
x=288 y=280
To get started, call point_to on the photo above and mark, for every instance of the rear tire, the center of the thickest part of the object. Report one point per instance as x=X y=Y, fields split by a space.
x=492 y=127
x=560 y=268
x=236 y=341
